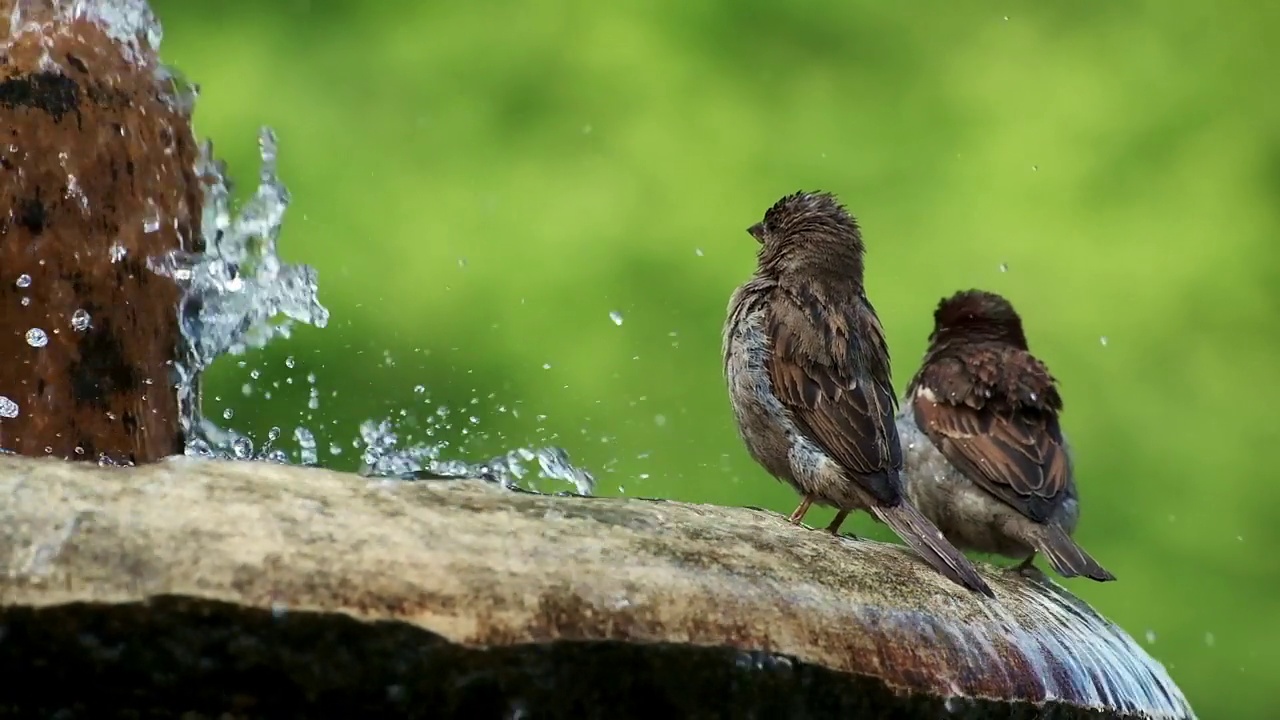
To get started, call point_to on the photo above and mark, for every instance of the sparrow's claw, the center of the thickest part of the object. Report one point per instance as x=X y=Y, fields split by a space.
x=800 y=512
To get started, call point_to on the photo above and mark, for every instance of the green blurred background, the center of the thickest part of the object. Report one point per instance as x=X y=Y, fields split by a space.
x=481 y=184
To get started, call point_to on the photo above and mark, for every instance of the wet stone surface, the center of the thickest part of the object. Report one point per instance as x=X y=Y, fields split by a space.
x=97 y=173
x=288 y=587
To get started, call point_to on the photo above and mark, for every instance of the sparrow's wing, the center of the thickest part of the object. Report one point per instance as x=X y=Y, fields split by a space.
x=1013 y=448
x=830 y=370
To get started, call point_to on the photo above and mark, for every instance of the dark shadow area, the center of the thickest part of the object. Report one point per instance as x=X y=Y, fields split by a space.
x=182 y=657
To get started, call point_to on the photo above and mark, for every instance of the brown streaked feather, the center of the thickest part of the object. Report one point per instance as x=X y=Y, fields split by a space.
x=924 y=537
x=1000 y=429
x=831 y=372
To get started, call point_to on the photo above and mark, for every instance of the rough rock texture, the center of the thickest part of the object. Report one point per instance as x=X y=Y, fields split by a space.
x=268 y=591
x=97 y=173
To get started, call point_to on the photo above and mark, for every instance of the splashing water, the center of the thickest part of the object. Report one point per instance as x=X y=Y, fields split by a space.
x=238 y=295
x=130 y=23
x=234 y=291
x=383 y=458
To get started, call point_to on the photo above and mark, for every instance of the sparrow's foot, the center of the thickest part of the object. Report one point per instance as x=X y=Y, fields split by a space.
x=1027 y=568
x=837 y=521
x=800 y=512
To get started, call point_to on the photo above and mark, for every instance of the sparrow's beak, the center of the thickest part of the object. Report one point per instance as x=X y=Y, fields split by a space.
x=757 y=231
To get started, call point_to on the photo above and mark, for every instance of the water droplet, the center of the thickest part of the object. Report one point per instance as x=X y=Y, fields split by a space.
x=24 y=280
x=116 y=252
x=289 y=362
x=1035 y=168
x=660 y=420
x=1209 y=639
x=616 y=317
x=26 y=301
x=697 y=251
x=546 y=366
x=228 y=414
x=306 y=446
x=1151 y=637
x=1004 y=267
x=1103 y=340
x=8 y=408
x=80 y=320
x=37 y=338
x=419 y=389
x=151 y=222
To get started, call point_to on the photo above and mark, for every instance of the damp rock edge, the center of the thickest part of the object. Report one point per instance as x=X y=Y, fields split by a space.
x=266 y=590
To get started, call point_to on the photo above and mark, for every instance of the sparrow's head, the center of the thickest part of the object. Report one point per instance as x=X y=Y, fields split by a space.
x=976 y=315
x=811 y=230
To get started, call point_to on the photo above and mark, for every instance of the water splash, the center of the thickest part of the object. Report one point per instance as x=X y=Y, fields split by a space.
x=130 y=23
x=237 y=295
x=382 y=457
x=234 y=292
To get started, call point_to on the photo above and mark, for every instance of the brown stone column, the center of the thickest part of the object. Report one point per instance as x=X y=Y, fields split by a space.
x=97 y=174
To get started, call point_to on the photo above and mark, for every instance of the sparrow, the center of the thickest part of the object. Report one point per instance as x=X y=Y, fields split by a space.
x=807 y=369
x=986 y=459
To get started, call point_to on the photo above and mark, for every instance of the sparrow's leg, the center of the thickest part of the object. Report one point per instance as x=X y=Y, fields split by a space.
x=799 y=514
x=837 y=521
x=1028 y=568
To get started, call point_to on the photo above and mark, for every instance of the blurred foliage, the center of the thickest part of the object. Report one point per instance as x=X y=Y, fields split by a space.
x=481 y=184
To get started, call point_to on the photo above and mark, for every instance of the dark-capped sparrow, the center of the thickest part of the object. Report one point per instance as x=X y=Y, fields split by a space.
x=985 y=456
x=808 y=374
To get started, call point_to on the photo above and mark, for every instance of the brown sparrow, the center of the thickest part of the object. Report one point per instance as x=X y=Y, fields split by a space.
x=809 y=381
x=985 y=456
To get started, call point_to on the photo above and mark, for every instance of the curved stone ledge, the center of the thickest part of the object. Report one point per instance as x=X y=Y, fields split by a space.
x=270 y=591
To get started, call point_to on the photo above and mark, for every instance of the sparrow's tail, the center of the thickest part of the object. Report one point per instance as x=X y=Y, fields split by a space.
x=925 y=538
x=1068 y=558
